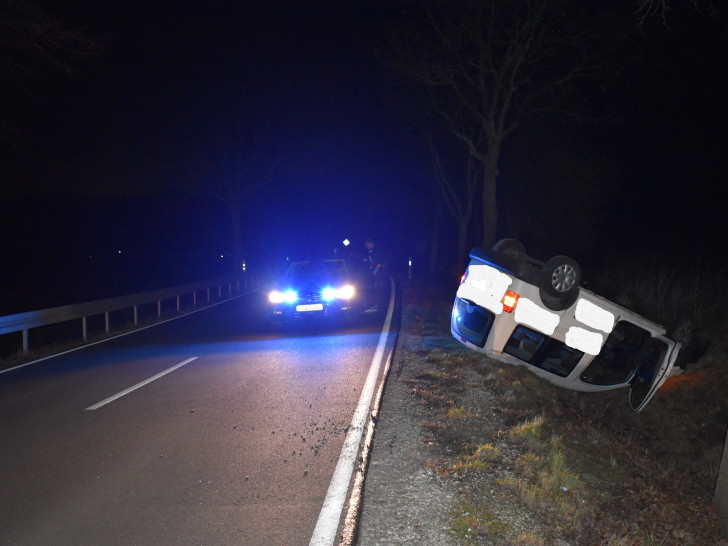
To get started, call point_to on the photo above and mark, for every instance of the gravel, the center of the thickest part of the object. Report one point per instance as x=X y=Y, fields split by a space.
x=411 y=495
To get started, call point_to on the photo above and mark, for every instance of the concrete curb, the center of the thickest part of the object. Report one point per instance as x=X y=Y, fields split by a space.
x=351 y=522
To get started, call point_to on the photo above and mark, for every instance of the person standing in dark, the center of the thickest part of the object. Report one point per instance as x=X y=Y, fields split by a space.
x=378 y=265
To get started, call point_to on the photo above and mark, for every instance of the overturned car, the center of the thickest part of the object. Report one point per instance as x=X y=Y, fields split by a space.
x=523 y=311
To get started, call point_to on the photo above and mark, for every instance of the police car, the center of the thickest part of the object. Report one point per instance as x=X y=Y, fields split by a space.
x=522 y=311
x=334 y=288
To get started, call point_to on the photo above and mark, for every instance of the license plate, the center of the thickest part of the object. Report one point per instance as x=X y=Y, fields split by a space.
x=310 y=307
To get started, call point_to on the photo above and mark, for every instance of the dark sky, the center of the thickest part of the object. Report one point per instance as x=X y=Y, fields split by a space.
x=177 y=84
x=105 y=151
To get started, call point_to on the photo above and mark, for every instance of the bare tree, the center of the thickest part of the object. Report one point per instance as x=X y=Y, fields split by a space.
x=488 y=65
x=245 y=149
x=660 y=9
x=459 y=198
x=244 y=166
x=33 y=46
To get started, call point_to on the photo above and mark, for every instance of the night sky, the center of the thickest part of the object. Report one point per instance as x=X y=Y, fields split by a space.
x=116 y=155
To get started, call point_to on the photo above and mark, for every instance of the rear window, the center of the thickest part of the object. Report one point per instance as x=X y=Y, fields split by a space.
x=542 y=351
x=472 y=322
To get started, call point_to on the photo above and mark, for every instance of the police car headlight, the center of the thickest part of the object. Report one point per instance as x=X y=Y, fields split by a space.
x=276 y=296
x=345 y=292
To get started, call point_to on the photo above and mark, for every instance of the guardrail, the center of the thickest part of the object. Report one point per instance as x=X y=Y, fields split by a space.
x=25 y=322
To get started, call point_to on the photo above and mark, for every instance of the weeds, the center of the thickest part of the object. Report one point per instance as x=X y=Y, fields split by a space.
x=458 y=413
x=473 y=522
x=480 y=459
x=583 y=463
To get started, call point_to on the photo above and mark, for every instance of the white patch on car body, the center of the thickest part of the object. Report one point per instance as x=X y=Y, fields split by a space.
x=531 y=314
x=594 y=316
x=584 y=340
x=485 y=286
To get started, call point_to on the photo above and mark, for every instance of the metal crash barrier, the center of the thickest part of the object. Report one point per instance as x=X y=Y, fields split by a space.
x=207 y=291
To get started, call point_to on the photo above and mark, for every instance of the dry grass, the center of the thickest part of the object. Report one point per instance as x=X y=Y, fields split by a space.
x=586 y=464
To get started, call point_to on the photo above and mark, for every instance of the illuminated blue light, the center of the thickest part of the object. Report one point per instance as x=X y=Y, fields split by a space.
x=289 y=296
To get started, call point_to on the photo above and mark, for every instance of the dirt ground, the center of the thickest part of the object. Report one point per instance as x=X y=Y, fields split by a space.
x=471 y=451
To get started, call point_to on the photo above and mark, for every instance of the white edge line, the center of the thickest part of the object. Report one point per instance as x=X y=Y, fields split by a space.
x=139 y=385
x=135 y=330
x=328 y=521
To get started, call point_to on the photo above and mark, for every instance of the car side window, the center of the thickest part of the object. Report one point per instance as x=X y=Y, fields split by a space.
x=620 y=356
x=542 y=351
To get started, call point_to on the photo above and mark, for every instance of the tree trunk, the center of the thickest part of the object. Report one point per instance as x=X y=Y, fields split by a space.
x=462 y=257
x=236 y=218
x=435 y=236
x=490 y=207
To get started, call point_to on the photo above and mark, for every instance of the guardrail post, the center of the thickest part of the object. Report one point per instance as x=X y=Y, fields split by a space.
x=24 y=322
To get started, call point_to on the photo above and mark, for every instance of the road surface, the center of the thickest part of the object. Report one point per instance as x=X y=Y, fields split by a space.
x=209 y=429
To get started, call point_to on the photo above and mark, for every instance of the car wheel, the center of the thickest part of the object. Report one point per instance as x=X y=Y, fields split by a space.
x=561 y=276
x=510 y=247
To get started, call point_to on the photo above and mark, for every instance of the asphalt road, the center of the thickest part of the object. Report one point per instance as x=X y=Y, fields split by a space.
x=233 y=441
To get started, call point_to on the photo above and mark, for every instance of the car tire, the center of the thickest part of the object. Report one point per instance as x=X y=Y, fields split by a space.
x=561 y=277
x=510 y=247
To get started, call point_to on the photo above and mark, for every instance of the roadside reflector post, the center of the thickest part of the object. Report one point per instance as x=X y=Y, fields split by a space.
x=409 y=268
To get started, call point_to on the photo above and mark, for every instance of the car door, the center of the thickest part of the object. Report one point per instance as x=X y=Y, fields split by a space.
x=658 y=358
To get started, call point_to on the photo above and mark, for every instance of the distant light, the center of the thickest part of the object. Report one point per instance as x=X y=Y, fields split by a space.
x=118 y=251
x=346 y=242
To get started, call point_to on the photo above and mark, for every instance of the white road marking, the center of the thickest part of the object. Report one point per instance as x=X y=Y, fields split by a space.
x=328 y=521
x=139 y=385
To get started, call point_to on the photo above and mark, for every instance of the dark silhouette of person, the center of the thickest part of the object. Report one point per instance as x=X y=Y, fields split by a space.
x=378 y=266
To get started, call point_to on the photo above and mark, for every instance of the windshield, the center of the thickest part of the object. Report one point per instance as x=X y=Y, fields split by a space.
x=329 y=269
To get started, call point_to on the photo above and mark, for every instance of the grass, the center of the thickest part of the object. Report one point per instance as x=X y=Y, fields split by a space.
x=472 y=522
x=596 y=472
